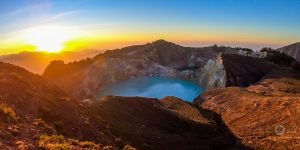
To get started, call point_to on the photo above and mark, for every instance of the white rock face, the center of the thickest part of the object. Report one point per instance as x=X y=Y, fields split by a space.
x=213 y=74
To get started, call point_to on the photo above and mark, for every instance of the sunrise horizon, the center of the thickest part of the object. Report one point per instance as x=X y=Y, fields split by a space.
x=55 y=26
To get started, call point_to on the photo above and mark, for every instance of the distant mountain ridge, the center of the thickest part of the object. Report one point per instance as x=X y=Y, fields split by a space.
x=36 y=62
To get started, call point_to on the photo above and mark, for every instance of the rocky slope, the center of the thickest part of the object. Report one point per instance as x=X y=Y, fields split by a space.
x=292 y=50
x=264 y=116
x=147 y=124
x=185 y=109
x=160 y=58
x=33 y=112
x=31 y=106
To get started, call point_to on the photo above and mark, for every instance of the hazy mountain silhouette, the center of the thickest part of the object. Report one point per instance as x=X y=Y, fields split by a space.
x=36 y=62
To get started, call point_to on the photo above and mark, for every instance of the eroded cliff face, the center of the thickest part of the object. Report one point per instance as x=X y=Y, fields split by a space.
x=233 y=70
x=213 y=74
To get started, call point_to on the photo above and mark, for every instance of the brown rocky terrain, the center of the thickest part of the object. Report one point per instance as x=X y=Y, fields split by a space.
x=31 y=106
x=33 y=112
x=265 y=115
x=146 y=124
x=185 y=109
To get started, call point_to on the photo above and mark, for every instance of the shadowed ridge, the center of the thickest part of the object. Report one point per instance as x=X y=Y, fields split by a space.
x=244 y=70
x=147 y=124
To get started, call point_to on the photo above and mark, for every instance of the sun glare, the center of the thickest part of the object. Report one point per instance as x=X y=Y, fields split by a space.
x=47 y=38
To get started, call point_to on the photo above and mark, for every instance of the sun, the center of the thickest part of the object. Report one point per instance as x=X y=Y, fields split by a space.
x=47 y=38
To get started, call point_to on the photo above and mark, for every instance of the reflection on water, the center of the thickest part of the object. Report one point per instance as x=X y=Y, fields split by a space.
x=155 y=87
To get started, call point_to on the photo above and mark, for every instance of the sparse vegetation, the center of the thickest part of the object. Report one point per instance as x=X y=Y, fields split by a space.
x=59 y=142
x=128 y=147
x=267 y=49
x=62 y=68
x=222 y=47
x=7 y=113
x=43 y=126
x=279 y=58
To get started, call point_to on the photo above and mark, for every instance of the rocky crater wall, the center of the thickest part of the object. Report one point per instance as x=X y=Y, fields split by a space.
x=202 y=65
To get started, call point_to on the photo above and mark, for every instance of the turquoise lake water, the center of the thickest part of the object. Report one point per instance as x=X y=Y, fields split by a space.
x=155 y=87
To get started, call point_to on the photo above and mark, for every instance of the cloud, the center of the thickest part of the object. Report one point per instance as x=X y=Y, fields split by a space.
x=62 y=15
x=29 y=9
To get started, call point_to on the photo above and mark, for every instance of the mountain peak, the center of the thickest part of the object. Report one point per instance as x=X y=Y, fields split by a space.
x=160 y=41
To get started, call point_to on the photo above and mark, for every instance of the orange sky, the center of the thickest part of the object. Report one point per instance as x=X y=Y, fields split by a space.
x=60 y=25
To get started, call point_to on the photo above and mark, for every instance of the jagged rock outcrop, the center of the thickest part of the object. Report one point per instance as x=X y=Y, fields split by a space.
x=213 y=75
x=292 y=50
x=233 y=70
x=264 y=116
